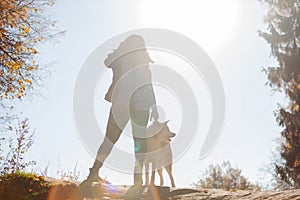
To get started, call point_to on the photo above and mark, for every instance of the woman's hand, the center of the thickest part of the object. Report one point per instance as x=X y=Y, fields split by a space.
x=154 y=113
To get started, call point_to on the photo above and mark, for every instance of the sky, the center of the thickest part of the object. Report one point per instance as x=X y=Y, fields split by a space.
x=226 y=30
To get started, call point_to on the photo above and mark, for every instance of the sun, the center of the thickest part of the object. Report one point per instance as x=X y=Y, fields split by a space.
x=211 y=23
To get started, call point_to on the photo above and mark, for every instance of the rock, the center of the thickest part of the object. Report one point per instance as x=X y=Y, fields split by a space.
x=61 y=190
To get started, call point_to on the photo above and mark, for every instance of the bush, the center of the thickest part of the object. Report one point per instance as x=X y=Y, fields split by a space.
x=224 y=177
x=22 y=186
x=17 y=148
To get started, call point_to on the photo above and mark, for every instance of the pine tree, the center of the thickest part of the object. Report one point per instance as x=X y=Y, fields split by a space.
x=283 y=36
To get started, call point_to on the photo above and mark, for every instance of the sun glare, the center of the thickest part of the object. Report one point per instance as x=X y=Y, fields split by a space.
x=211 y=23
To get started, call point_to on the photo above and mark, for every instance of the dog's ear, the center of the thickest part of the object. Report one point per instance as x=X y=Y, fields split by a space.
x=166 y=122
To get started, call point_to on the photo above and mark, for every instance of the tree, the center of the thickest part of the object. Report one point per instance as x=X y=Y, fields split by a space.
x=283 y=36
x=224 y=177
x=23 y=26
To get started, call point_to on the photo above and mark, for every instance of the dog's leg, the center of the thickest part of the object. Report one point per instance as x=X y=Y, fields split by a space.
x=159 y=170
x=147 y=173
x=147 y=178
x=169 y=171
x=152 y=176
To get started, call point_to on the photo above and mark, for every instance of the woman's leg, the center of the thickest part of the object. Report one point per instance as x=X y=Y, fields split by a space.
x=113 y=132
x=139 y=120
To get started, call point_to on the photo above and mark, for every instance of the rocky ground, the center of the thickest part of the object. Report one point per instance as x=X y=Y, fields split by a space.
x=97 y=191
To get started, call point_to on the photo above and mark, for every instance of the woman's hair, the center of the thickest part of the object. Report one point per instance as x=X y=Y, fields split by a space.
x=131 y=50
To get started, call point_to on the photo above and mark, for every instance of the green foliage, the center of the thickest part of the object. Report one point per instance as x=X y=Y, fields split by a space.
x=22 y=186
x=283 y=36
x=225 y=177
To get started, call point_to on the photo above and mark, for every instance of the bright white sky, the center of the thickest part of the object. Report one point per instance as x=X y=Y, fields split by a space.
x=227 y=30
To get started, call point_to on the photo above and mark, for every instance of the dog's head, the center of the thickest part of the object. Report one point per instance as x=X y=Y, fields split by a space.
x=161 y=132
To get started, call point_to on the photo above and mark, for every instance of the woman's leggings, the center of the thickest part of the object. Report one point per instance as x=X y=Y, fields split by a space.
x=118 y=118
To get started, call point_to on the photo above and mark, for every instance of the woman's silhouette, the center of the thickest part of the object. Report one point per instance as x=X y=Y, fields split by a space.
x=132 y=97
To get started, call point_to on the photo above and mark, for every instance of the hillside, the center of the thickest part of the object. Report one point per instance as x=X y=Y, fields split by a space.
x=121 y=192
x=24 y=186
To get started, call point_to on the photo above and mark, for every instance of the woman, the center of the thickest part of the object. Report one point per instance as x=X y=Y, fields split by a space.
x=132 y=97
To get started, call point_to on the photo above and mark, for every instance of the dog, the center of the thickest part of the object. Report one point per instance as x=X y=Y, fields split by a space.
x=159 y=152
